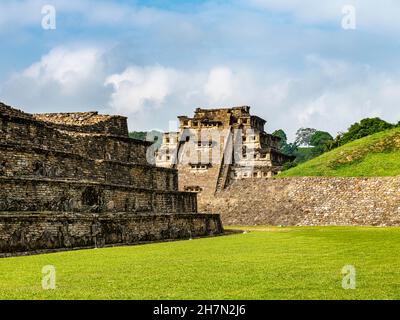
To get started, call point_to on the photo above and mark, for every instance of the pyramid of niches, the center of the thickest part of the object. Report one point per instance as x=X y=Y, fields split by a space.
x=78 y=165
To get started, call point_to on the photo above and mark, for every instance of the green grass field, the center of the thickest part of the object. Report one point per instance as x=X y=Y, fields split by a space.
x=375 y=155
x=266 y=263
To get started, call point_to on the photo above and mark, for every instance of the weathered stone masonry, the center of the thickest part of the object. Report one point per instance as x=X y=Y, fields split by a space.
x=310 y=201
x=20 y=161
x=32 y=231
x=77 y=179
x=216 y=147
x=26 y=194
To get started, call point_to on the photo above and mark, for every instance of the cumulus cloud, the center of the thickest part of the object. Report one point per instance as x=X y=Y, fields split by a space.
x=328 y=94
x=331 y=94
x=63 y=78
x=138 y=87
x=70 y=69
x=289 y=60
x=219 y=86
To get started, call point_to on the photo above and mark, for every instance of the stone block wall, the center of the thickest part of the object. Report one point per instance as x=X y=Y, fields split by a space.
x=206 y=180
x=87 y=122
x=37 y=134
x=77 y=180
x=309 y=201
x=12 y=112
x=30 y=232
x=21 y=161
x=70 y=196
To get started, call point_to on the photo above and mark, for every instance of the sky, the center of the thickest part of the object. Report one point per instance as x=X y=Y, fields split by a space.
x=292 y=61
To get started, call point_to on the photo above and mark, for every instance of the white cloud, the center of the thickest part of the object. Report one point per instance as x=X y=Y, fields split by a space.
x=70 y=69
x=68 y=78
x=329 y=94
x=333 y=94
x=219 y=85
x=138 y=87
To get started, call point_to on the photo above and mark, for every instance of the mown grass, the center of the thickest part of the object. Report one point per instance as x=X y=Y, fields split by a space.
x=266 y=263
x=375 y=155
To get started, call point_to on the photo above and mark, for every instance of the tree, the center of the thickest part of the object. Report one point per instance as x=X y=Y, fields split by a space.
x=280 y=134
x=320 y=138
x=139 y=135
x=315 y=143
x=290 y=149
x=364 y=128
x=303 y=136
x=285 y=147
x=151 y=136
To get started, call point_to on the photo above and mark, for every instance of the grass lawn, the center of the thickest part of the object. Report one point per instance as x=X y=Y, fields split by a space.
x=266 y=263
x=372 y=156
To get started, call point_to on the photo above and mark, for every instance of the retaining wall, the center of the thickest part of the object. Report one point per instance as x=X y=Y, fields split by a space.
x=309 y=201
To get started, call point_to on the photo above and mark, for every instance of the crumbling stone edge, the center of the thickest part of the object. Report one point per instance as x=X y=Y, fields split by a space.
x=33 y=234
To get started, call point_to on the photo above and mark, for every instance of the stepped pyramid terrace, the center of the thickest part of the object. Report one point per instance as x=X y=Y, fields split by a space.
x=218 y=146
x=77 y=180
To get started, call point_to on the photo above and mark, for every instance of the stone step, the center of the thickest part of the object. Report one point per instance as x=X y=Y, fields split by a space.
x=23 y=233
x=22 y=194
x=21 y=161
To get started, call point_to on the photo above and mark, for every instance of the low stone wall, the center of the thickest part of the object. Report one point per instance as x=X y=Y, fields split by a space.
x=22 y=232
x=309 y=201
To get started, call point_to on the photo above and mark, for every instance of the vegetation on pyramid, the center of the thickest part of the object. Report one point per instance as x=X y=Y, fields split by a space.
x=374 y=155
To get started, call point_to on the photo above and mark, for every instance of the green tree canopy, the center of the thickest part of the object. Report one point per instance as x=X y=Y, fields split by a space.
x=281 y=134
x=285 y=147
x=320 y=138
x=303 y=136
x=364 y=128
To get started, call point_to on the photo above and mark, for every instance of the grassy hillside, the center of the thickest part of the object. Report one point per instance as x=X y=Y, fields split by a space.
x=375 y=155
x=267 y=263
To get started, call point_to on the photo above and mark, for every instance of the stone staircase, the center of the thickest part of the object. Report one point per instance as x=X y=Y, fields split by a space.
x=176 y=159
x=226 y=162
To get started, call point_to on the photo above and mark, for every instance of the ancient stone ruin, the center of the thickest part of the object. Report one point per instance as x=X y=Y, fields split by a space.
x=310 y=201
x=216 y=147
x=77 y=180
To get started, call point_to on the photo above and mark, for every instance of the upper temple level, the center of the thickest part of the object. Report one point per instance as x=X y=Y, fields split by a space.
x=75 y=162
x=88 y=134
x=87 y=122
x=217 y=146
x=223 y=118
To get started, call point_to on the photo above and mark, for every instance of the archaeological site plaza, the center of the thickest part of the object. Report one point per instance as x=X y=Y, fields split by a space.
x=77 y=180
